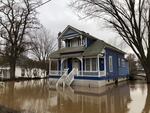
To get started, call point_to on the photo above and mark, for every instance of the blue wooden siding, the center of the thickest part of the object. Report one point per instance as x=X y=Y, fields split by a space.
x=117 y=70
x=124 y=70
x=90 y=41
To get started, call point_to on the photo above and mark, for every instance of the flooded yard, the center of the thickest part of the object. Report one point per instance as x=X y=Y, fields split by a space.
x=39 y=97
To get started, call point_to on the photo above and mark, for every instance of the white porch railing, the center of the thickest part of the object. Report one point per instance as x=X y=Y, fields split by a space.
x=62 y=78
x=79 y=73
x=56 y=73
x=91 y=73
x=69 y=79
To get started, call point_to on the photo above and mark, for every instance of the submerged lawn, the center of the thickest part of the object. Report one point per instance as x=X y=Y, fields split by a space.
x=39 y=96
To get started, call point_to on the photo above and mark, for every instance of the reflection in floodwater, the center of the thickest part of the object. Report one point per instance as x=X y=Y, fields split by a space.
x=147 y=102
x=38 y=97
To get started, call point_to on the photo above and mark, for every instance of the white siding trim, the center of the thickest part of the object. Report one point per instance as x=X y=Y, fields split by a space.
x=110 y=63
x=98 y=66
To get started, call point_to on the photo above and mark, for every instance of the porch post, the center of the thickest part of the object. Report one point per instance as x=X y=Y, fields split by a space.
x=82 y=66
x=81 y=40
x=58 y=66
x=98 y=65
x=49 y=66
x=61 y=68
x=105 y=63
x=62 y=60
x=81 y=60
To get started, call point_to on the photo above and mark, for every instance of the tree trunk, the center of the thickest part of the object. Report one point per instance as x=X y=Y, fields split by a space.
x=12 y=68
x=147 y=72
x=148 y=78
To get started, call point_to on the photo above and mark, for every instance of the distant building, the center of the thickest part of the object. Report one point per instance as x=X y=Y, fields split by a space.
x=25 y=68
x=22 y=72
x=87 y=60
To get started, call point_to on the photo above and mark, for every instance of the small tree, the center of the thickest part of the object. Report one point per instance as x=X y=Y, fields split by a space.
x=129 y=18
x=17 y=18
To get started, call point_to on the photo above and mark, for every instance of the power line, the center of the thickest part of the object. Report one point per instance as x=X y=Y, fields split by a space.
x=42 y=4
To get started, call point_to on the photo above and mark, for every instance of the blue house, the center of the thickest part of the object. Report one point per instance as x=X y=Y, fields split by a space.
x=86 y=60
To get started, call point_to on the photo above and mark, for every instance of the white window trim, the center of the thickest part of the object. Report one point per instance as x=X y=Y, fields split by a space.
x=110 y=69
x=119 y=62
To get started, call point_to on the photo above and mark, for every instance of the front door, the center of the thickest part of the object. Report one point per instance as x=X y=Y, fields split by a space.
x=76 y=64
x=69 y=65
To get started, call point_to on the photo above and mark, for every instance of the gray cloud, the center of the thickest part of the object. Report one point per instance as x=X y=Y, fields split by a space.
x=57 y=14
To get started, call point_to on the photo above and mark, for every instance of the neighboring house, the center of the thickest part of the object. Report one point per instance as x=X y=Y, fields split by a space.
x=25 y=67
x=89 y=58
x=22 y=72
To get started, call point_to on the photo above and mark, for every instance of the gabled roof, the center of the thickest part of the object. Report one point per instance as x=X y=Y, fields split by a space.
x=94 y=49
x=69 y=27
x=78 y=31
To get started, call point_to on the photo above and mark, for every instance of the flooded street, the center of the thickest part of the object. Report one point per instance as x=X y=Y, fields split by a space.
x=39 y=97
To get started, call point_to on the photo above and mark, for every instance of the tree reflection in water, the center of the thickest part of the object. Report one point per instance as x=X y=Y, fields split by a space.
x=147 y=102
x=38 y=97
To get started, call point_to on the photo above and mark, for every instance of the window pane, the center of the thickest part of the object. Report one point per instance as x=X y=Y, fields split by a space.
x=110 y=64
x=93 y=64
x=101 y=63
x=87 y=64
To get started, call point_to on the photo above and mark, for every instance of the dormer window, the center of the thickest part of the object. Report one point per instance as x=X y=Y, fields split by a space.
x=72 y=38
x=74 y=42
x=68 y=43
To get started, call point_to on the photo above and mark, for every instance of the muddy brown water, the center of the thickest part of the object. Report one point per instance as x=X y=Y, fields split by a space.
x=40 y=97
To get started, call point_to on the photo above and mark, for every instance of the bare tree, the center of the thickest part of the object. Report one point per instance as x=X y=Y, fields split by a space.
x=43 y=43
x=17 y=17
x=129 y=18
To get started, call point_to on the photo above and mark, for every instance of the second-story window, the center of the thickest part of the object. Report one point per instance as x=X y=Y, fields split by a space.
x=68 y=43
x=79 y=42
x=74 y=42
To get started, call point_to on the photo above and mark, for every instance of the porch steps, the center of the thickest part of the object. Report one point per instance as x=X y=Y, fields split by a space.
x=70 y=78
x=62 y=79
x=67 y=79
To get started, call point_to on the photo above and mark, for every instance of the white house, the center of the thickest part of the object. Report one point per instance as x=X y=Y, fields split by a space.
x=23 y=72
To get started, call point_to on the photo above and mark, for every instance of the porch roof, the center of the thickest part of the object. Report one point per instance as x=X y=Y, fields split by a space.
x=68 y=52
x=96 y=48
x=72 y=49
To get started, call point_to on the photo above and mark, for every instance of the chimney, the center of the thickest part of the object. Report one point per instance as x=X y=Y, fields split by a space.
x=59 y=40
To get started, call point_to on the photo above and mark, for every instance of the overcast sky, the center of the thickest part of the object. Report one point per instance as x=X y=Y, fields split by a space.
x=57 y=14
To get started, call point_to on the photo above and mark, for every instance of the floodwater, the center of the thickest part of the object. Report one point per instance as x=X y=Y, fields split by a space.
x=40 y=97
